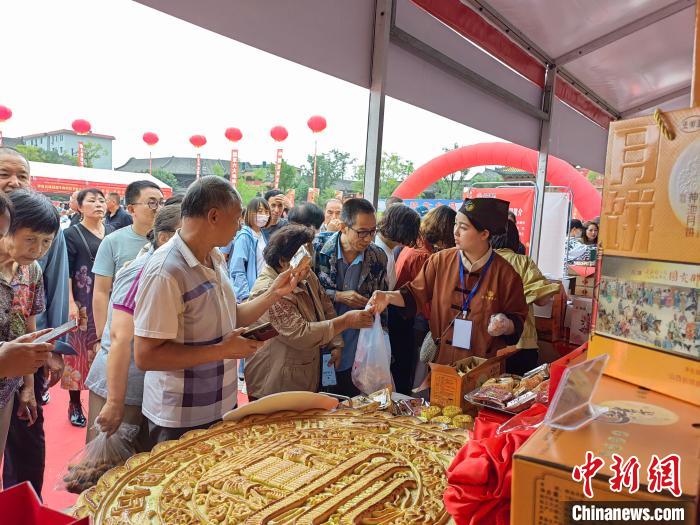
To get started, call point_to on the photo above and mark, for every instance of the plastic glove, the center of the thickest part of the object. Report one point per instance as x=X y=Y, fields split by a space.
x=499 y=325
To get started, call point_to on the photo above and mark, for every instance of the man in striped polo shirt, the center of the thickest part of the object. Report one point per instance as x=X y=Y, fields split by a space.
x=187 y=325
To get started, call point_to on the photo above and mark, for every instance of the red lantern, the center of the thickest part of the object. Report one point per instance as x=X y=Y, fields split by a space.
x=317 y=123
x=150 y=138
x=279 y=133
x=5 y=113
x=81 y=126
x=198 y=140
x=233 y=134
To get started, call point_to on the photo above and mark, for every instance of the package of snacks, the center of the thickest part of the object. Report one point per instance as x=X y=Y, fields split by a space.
x=100 y=455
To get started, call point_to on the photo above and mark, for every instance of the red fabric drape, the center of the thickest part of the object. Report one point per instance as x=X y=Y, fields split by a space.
x=479 y=478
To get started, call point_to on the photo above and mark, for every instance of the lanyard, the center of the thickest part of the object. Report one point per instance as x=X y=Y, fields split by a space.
x=466 y=301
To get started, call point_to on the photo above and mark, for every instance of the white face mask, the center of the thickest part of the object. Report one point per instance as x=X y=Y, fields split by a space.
x=261 y=220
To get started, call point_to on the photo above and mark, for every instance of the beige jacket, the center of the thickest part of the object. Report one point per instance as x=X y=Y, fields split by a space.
x=292 y=360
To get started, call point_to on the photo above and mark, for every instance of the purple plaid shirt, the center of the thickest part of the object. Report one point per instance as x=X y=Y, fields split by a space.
x=182 y=300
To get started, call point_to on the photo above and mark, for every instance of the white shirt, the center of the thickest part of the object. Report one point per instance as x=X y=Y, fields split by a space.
x=182 y=300
x=390 y=262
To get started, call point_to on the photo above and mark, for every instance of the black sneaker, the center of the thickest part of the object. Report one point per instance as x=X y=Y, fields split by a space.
x=75 y=415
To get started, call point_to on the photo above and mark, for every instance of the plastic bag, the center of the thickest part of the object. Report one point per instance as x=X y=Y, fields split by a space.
x=371 y=370
x=100 y=455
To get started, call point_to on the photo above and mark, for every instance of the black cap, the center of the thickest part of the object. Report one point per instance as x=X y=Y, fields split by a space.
x=487 y=214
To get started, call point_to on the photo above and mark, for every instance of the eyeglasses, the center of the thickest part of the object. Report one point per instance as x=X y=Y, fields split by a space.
x=152 y=203
x=363 y=234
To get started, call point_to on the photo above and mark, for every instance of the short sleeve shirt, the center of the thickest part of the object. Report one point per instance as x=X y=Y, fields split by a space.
x=116 y=249
x=180 y=299
x=122 y=298
x=20 y=299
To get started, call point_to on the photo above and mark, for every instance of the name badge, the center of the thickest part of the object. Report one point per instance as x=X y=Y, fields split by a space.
x=462 y=334
x=327 y=372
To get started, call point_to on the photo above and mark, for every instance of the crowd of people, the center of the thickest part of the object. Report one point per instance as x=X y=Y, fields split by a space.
x=164 y=290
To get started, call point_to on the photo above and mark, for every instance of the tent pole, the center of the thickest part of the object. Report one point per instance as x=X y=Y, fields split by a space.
x=542 y=160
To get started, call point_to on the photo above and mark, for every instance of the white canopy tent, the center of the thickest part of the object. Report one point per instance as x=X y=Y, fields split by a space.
x=65 y=179
x=546 y=74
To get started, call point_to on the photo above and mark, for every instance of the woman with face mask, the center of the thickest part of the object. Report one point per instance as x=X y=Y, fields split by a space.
x=246 y=260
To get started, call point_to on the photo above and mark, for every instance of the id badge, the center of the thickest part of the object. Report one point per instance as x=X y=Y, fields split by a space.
x=462 y=334
x=327 y=372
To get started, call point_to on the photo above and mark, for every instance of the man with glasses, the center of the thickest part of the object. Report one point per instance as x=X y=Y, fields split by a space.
x=143 y=199
x=351 y=268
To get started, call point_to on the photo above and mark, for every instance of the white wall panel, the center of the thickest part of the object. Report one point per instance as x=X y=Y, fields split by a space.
x=577 y=139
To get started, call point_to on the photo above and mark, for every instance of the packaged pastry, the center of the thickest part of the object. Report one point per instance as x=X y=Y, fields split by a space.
x=462 y=421
x=442 y=419
x=531 y=382
x=521 y=402
x=408 y=407
x=451 y=411
x=540 y=369
x=493 y=395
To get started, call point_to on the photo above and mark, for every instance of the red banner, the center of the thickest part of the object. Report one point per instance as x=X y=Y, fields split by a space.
x=81 y=154
x=234 y=167
x=522 y=204
x=278 y=168
x=312 y=194
x=198 y=170
x=291 y=195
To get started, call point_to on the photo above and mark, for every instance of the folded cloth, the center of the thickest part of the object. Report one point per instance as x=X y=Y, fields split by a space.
x=479 y=478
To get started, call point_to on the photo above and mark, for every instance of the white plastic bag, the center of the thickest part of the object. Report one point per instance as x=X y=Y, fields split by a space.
x=371 y=370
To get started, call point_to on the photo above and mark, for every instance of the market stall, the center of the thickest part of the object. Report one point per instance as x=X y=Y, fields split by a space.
x=64 y=179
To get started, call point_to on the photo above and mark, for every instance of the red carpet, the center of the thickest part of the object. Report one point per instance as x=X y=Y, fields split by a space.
x=63 y=441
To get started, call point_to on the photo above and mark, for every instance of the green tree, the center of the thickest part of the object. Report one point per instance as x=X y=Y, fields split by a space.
x=330 y=168
x=393 y=171
x=165 y=177
x=486 y=177
x=36 y=154
x=452 y=186
x=218 y=170
x=92 y=152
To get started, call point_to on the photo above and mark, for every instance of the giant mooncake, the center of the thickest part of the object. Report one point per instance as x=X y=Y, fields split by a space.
x=315 y=467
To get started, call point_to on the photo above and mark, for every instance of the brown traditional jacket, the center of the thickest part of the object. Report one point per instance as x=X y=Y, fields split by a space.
x=438 y=284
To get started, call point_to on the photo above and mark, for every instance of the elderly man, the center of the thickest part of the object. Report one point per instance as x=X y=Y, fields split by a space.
x=350 y=268
x=187 y=325
x=25 y=452
x=331 y=222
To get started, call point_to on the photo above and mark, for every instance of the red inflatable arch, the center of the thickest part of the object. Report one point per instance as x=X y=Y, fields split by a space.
x=559 y=172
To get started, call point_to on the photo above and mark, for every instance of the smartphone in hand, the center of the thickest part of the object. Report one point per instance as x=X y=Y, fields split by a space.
x=262 y=332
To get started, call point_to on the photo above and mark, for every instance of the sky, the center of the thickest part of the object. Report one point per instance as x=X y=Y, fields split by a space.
x=129 y=69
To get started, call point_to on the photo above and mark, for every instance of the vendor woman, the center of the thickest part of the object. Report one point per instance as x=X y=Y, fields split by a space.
x=476 y=298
